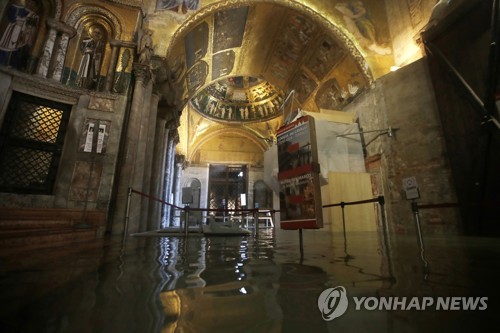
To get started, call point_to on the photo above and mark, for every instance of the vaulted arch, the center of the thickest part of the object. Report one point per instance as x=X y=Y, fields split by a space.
x=286 y=43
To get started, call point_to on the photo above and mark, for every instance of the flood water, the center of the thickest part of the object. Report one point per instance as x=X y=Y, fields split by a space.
x=249 y=284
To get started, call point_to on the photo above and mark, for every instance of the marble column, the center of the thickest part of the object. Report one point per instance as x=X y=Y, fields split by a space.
x=67 y=33
x=110 y=76
x=158 y=172
x=179 y=163
x=169 y=175
x=166 y=179
x=131 y=173
x=116 y=46
x=48 y=48
x=149 y=139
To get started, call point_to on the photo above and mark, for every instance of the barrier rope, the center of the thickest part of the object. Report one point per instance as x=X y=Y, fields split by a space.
x=154 y=198
x=191 y=209
x=379 y=199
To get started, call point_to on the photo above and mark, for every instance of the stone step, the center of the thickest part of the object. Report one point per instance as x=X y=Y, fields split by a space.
x=28 y=239
x=46 y=214
x=25 y=229
x=34 y=224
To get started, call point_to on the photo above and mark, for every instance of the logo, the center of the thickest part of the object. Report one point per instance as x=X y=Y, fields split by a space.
x=333 y=303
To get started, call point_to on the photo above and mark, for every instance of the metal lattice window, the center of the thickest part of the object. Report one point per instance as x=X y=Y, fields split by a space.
x=226 y=183
x=31 y=141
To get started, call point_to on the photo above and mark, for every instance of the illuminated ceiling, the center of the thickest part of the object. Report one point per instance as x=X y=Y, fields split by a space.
x=326 y=52
x=290 y=47
x=239 y=99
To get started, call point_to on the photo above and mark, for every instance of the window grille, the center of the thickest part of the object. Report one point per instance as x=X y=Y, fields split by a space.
x=31 y=141
x=226 y=183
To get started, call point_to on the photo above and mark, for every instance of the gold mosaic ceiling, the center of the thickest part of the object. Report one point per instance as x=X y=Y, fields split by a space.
x=239 y=99
x=286 y=47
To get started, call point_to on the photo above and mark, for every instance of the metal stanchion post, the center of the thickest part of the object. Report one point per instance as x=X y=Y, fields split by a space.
x=385 y=233
x=381 y=202
x=256 y=221
x=201 y=223
x=186 y=220
x=342 y=205
x=414 y=206
x=127 y=210
x=301 y=245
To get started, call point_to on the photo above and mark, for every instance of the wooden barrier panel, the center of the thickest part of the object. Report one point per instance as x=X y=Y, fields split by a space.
x=351 y=186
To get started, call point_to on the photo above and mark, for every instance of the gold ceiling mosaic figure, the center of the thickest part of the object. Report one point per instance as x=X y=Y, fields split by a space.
x=239 y=99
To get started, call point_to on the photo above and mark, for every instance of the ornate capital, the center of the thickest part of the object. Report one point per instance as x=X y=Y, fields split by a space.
x=175 y=136
x=142 y=73
x=169 y=114
x=180 y=159
x=172 y=125
x=61 y=27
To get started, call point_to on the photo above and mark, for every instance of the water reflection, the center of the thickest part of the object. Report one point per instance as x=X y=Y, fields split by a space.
x=242 y=284
x=241 y=288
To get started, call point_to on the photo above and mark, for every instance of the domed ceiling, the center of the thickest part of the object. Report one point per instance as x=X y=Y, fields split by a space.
x=286 y=46
x=239 y=99
x=232 y=64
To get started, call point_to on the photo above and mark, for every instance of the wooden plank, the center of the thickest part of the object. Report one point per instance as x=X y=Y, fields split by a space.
x=347 y=187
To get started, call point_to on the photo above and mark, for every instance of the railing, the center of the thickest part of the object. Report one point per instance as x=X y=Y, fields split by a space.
x=380 y=200
x=416 y=213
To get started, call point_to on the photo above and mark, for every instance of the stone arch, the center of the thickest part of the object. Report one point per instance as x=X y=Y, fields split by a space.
x=75 y=17
x=340 y=35
x=327 y=24
x=84 y=19
x=235 y=131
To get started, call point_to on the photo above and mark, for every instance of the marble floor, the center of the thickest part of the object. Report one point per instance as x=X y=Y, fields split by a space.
x=257 y=283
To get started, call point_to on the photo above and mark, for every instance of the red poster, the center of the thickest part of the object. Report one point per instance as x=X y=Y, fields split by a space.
x=300 y=192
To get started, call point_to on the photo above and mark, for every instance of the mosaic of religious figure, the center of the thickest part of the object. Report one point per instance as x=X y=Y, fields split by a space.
x=304 y=86
x=178 y=69
x=92 y=50
x=218 y=90
x=222 y=64
x=122 y=77
x=179 y=6
x=197 y=76
x=292 y=45
x=359 y=23
x=196 y=44
x=329 y=54
x=229 y=27
x=242 y=81
x=334 y=97
x=239 y=99
x=20 y=27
